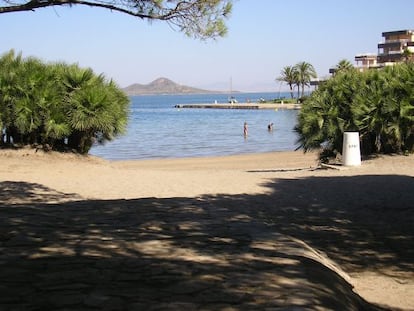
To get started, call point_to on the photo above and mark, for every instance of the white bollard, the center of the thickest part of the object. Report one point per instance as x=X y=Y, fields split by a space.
x=351 y=153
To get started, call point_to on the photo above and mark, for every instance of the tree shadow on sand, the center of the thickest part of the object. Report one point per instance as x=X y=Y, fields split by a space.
x=210 y=253
x=362 y=222
x=12 y=192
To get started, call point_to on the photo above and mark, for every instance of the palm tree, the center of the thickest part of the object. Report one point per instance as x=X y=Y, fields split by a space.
x=74 y=78
x=407 y=55
x=10 y=64
x=378 y=104
x=289 y=76
x=305 y=72
x=55 y=126
x=343 y=65
x=31 y=101
x=97 y=109
x=321 y=121
x=399 y=108
x=50 y=104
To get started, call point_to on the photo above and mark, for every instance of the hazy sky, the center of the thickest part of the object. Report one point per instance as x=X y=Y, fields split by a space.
x=263 y=37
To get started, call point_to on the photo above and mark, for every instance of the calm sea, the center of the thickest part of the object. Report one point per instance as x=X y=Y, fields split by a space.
x=158 y=130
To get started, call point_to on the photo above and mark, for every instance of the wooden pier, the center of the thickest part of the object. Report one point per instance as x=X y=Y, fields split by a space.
x=240 y=106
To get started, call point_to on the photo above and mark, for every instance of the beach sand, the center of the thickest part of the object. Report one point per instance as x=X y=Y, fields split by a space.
x=246 y=232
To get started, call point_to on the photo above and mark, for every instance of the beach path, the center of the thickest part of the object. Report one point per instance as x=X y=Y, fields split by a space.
x=252 y=232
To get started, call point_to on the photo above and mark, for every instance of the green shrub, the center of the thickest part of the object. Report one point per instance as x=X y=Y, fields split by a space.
x=379 y=104
x=61 y=106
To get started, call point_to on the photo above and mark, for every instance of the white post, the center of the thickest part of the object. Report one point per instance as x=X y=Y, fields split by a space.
x=351 y=153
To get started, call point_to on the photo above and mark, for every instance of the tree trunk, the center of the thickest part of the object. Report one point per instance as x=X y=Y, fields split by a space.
x=80 y=141
x=291 y=90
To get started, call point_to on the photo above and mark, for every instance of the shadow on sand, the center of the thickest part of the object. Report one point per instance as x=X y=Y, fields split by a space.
x=208 y=253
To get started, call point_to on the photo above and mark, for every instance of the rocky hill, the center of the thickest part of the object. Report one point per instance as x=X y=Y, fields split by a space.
x=162 y=86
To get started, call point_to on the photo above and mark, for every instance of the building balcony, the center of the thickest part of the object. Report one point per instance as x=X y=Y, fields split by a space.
x=390 y=45
x=398 y=33
x=366 y=57
x=396 y=52
x=398 y=40
x=389 y=57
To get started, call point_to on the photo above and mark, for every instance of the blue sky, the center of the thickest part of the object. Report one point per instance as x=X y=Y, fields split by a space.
x=263 y=37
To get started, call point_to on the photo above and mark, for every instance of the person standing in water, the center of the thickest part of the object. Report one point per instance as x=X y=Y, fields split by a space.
x=245 y=129
x=270 y=127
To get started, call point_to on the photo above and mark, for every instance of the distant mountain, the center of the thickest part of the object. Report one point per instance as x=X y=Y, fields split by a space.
x=163 y=86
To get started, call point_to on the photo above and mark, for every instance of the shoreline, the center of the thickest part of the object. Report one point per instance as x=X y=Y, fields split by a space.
x=356 y=222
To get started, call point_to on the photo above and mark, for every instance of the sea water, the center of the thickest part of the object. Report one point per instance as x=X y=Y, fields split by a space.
x=156 y=129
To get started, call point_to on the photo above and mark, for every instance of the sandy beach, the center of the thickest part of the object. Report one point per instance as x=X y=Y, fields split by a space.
x=246 y=232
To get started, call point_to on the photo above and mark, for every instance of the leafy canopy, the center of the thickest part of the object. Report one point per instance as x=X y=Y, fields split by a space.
x=196 y=18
